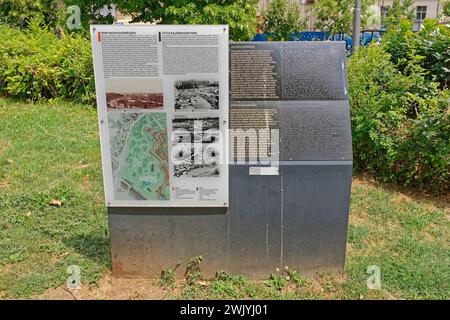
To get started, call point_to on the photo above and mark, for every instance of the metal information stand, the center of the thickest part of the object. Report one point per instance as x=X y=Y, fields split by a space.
x=281 y=195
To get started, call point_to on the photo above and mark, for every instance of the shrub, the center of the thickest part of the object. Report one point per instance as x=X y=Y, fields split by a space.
x=433 y=44
x=336 y=16
x=446 y=9
x=281 y=18
x=18 y=13
x=426 y=160
x=400 y=121
x=429 y=48
x=35 y=64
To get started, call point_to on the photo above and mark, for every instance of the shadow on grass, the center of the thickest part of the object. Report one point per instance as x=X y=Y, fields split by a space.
x=440 y=200
x=94 y=248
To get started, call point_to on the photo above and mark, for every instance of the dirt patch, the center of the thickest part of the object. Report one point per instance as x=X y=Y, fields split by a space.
x=80 y=166
x=4 y=145
x=400 y=198
x=447 y=212
x=363 y=181
x=357 y=220
x=109 y=288
x=4 y=184
x=85 y=183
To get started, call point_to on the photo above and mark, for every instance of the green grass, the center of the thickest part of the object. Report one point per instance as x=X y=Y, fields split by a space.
x=51 y=152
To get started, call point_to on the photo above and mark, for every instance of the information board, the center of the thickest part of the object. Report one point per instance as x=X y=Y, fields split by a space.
x=289 y=176
x=162 y=99
x=294 y=97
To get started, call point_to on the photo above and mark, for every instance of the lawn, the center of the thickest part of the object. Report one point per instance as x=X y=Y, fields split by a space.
x=52 y=215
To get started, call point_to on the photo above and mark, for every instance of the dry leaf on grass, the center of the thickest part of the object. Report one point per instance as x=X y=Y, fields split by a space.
x=55 y=203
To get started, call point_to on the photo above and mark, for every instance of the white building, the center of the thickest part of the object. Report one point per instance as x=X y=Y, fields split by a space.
x=422 y=9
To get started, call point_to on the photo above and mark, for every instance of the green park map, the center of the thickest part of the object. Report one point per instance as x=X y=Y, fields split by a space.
x=139 y=155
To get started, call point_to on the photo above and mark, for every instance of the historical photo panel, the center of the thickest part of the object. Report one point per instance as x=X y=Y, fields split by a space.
x=134 y=93
x=162 y=98
x=196 y=151
x=196 y=95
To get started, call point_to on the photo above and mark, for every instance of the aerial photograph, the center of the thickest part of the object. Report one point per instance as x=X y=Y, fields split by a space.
x=195 y=129
x=196 y=162
x=195 y=95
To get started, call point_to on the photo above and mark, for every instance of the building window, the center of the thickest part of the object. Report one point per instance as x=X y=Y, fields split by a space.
x=384 y=12
x=421 y=12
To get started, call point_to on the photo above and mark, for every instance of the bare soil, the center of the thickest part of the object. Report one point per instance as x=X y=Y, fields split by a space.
x=109 y=288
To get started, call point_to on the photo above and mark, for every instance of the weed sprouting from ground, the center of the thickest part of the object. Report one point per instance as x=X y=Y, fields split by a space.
x=168 y=277
x=193 y=271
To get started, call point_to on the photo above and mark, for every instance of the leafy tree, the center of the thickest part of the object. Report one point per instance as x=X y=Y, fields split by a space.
x=446 y=9
x=282 y=18
x=18 y=13
x=401 y=9
x=240 y=15
x=337 y=15
x=399 y=42
x=429 y=48
x=433 y=44
x=90 y=11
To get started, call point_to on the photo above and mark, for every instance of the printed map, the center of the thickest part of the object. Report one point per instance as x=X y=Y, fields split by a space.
x=139 y=155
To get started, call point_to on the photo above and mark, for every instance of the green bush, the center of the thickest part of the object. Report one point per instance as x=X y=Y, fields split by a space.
x=427 y=152
x=281 y=18
x=35 y=64
x=400 y=121
x=18 y=13
x=446 y=9
x=433 y=44
x=429 y=48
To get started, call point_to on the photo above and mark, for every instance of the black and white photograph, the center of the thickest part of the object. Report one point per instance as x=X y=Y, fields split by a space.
x=195 y=129
x=195 y=151
x=196 y=160
x=196 y=95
